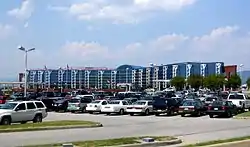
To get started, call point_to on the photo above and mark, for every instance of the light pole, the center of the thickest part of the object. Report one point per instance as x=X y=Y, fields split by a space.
x=26 y=66
x=127 y=79
x=241 y=70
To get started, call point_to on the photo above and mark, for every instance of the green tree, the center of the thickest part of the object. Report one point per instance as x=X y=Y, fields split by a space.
x=214 y=82
x=234 y=81
x=248 y=83
x=178 y=82
x=195 y=81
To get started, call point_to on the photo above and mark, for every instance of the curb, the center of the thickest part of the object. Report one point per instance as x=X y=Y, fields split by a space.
x=241 y=117
x=49 y=128
x=228 y=143
x=153 y=144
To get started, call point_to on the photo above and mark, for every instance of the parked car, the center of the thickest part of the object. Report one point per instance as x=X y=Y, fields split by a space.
x=115 y=106
x=95 y=106
x=79 y=104
x=219 y=108
x=22 y=111
x=192 y=107
x=61 y=105
x=210 y=100
x=241 y=101
x=165 y=106
x=140 y=107
x=131 y=100
x=2 y=100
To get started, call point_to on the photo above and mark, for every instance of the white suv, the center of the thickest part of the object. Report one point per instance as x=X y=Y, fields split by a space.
x=22 y=111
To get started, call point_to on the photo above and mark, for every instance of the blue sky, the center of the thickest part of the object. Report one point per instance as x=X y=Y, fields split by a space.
x=111 y=32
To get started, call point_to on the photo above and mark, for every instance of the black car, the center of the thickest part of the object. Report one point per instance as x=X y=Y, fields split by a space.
x=165 y=106
x=220 y=108
x=61 y=105
x=192 y=107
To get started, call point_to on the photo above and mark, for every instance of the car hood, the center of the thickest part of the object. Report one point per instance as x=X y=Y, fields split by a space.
x=4 y=111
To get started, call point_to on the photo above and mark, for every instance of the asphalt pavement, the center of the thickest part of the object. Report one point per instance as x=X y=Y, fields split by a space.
x=190 y=129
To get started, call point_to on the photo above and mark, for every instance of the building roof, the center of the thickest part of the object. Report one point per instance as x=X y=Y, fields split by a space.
x=124 y=67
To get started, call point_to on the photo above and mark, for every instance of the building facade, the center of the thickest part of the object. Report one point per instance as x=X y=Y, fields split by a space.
x=107 y=78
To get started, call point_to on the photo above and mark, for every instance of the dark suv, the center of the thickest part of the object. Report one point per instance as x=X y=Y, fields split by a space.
x=165 y=106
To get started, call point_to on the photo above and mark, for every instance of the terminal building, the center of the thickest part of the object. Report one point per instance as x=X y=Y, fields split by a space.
x=154 y=76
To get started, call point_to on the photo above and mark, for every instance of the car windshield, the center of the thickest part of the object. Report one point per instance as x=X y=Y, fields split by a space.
x=9 y=106
x=140 y=103
x=114 y=102
x=236 y=96
x=96 y=102
x=218 y=103
x=188 y=103
x=74 y=101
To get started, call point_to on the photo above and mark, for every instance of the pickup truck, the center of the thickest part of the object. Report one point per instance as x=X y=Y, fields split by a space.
x=240 y=100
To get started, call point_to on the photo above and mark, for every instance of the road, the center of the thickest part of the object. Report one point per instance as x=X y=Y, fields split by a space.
x=190 y=129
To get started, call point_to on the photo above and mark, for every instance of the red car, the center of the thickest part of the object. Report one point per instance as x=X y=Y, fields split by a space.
x=2 y=99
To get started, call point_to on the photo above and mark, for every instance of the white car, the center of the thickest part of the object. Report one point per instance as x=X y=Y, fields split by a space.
x=140 y=107
x=22 y=111
x=115 y=106
x=240 y=100
x=95 y=106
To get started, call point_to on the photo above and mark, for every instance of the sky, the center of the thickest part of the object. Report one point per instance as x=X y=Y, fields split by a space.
x=109 y=33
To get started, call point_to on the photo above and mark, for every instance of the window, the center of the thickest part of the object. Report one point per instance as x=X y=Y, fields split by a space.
x=124 y=103
x=21 y=107
x=114 y=102
x=39 y=105
x=236 y=96
x=150 y=103
x=31 y=105
x=86 y=100
x=229 y=103
x=104 y=103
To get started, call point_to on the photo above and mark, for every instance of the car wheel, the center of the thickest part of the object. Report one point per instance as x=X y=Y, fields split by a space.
x=157 y=114
x=90 y=112
x=121 y=112
x=182 y=115
x=38 y=119
x=146 y=112
x=107 y=113
x=6 y=121
x=198 y=113
x=211 y=116
x=229 y=114
x=23 y=122
x=131 y=114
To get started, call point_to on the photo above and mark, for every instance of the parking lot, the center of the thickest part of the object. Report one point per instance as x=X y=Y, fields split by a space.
x=190 y=129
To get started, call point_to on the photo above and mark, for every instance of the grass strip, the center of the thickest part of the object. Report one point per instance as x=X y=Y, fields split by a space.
x=47 y=125
x=215 y=142
x=109 y=142
x=245 y=114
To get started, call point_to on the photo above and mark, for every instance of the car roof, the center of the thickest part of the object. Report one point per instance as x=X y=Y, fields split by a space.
x=23 y=101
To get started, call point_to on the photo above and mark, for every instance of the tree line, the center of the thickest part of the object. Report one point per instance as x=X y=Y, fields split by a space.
x=213 y=82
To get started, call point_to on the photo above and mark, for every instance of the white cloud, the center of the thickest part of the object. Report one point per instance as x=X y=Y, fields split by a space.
x=5 y=30
x=131 y=12
x=221 y=44
x=24 y=12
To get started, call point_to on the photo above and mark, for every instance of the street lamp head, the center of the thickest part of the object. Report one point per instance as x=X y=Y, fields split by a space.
x=32 y=49
x=21 y=48
x=241 y=65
